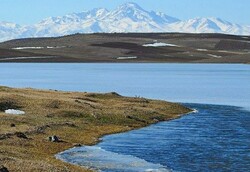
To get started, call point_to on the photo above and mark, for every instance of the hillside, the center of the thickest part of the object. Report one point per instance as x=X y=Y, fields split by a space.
x=130 y=47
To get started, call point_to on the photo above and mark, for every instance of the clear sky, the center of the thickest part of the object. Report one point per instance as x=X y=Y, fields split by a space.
x=32 y=11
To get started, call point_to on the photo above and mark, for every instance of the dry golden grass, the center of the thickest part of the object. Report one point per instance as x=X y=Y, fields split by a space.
x=76 y=118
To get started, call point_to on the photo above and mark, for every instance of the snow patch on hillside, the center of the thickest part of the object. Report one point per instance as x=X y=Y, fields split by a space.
x=14 y=112
x=159 y=44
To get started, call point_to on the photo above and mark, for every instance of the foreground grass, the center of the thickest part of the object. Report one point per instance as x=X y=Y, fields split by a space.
x=76 y=118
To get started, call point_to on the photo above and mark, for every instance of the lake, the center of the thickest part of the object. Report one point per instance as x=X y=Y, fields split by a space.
x=216 y=138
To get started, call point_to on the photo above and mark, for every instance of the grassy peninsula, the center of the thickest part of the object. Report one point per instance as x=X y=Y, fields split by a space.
x=75 y=117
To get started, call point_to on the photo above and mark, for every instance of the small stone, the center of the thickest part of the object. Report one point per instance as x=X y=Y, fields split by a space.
x=12 y=125
x=3 y=169
x=78 y=145
x=78 y=101
x=21 y=135
x=54 y=139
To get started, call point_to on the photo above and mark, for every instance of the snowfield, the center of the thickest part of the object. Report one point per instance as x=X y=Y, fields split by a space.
x=22 y=58
x=160 y=44
x=126 y=58
x=215 y=56
x=202 y=50
x=24 y=48
x=27 y=48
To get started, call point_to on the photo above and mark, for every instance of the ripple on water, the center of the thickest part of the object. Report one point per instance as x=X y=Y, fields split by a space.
x=216 y=138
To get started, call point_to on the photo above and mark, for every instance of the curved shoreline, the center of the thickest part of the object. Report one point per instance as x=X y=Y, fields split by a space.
x=74 y=117
x=100 y=140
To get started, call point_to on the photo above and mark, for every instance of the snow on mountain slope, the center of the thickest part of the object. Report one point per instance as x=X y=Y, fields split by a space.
x=10 y=30
x=128 y=17
x=209 y=25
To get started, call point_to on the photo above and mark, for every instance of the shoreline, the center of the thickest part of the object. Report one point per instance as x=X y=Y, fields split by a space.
x=100 y=138
x=122 y=62
x=75 y=117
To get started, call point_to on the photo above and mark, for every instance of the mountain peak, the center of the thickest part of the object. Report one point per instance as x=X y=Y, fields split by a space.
x=130 y=5
x=129 y=17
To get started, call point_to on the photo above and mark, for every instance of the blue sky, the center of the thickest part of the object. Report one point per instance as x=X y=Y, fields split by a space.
x=32 y=11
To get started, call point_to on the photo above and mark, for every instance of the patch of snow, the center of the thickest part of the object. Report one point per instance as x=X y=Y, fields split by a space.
x=48 y=47
x=24 y=48
x=21 y=58
x=27 y=48
x=14 y=112
x=212 y=55
x=125 y=58
x=223 y=51
x=159 y=44
x=202 y=50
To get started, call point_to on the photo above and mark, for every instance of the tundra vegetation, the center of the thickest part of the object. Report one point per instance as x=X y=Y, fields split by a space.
x=76 y=118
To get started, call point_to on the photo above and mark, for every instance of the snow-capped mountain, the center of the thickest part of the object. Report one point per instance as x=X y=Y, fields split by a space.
x=210 y=25
x=10 y=30
x=128 y=17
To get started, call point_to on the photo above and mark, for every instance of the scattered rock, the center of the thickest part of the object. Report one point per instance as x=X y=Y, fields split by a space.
x=54 y=139
x=41 y=129
x=12 y=125
x=21 y=135
x=70 y=124
x=7 y=103
x=78 y=101
x=3 y=169
x=155 y=120
x=5 y=136
x=77 y=145
x=136 y=118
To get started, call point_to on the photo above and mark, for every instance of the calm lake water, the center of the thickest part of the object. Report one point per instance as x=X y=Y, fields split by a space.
x=216 y=138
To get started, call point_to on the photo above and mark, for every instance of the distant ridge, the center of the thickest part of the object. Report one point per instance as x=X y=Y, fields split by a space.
x=129 y=17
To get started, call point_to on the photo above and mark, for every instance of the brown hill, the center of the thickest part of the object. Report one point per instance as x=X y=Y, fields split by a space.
x=190 y=48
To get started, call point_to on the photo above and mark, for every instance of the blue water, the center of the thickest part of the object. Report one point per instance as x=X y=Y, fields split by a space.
x=217 y=138
x=189 y=83
x=214 y=139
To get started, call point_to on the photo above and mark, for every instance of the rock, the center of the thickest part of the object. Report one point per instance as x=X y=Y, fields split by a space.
x=77 y=145
x=3 y=169
x=78 y=101
x=12 y=125
x=21 y=135
x=54 y=139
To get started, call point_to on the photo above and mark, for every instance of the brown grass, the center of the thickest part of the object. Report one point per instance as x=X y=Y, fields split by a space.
x=76 y=118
